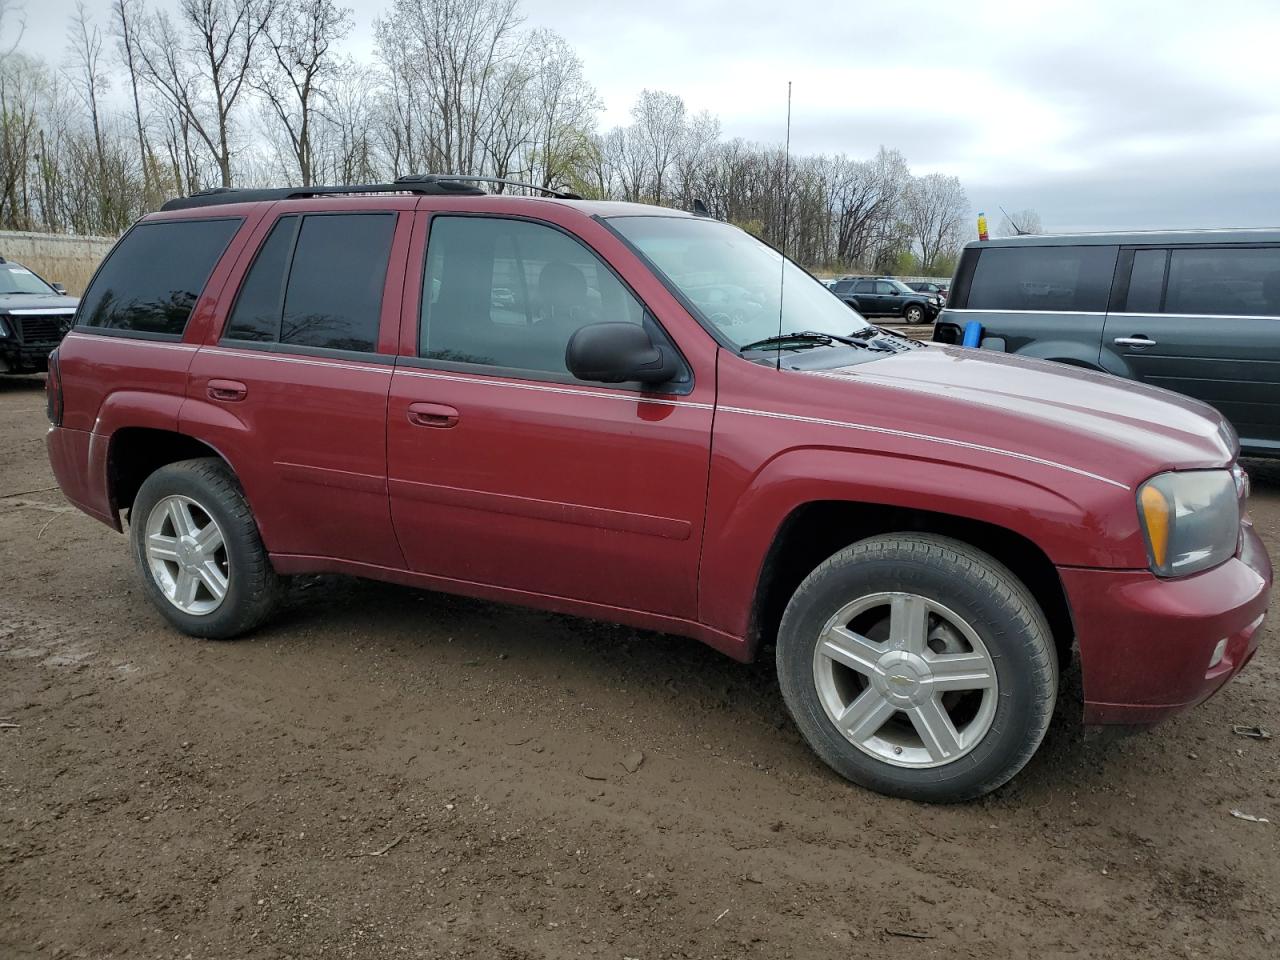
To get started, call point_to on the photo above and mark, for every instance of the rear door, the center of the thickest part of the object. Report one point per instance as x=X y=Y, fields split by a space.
x=1203 y=321
x=865 y=293
x=505 y=470
x=293 y=386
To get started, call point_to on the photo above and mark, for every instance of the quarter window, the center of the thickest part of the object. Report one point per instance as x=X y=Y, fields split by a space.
x=1225 y=281
x=510 y=294
x=152 y=279
x=317 y=282
x=1146 y=281
x=1043 y=278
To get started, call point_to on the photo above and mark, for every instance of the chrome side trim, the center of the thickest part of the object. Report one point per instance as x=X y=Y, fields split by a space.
x=277 y=358
x=161 y=344
x=1066 y=313
x=629 y=395
x=887 y=431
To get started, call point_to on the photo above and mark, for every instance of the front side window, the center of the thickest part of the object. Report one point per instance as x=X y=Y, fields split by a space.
x=1226 y=281
x=1075 y=278
x=510 y=294
x=317 y=281
x=885 y=289
x=151 y=280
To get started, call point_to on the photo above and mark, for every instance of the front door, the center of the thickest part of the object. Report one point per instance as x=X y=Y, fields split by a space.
x=504 y=470
x=1205 y=322
x=293 y=390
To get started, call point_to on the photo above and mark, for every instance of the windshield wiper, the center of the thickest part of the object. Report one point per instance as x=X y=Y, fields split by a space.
x=808 y=336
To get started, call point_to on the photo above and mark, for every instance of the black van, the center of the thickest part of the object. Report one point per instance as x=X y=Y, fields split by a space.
x=1196 y=311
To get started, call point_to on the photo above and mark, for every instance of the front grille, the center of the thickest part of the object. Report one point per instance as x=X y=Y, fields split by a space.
x=39 y=329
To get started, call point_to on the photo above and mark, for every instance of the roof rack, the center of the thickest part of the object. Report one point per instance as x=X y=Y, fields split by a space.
x=424 y=184
x=449 y=178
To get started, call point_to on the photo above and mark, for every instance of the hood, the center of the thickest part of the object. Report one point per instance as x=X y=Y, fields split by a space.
x=24 y=301
x=1009 y=400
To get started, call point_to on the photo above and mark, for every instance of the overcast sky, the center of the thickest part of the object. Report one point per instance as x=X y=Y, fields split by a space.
x=1099 y=115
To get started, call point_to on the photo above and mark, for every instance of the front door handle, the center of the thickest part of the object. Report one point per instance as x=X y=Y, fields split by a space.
x=432 y=415
x=1135 y=341
x=228 y=391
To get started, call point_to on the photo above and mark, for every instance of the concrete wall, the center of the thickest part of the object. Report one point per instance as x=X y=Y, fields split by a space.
x=57 y=257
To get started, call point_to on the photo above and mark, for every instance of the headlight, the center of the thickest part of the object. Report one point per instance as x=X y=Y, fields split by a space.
x=1191 y=520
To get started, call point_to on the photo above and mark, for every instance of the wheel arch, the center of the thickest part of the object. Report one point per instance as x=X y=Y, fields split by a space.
x=816 y=530
x=134 y=453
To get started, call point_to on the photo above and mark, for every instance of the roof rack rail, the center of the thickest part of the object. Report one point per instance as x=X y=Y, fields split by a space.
x=447 y=178
x=425 y=184
x=218 y=195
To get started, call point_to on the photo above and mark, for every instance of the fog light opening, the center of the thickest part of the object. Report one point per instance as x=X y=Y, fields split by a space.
x=1219 y=652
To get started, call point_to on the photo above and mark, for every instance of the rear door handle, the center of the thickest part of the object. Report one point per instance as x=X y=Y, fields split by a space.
x=432 y=415
x=1137 y=341
x=228 y=391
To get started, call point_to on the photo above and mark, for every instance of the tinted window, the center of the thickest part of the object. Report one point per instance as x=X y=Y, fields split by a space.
x=152 y=279
x=261 y=302
x=1146 y=281
x=843 y=286
x=508 y=293
x=885 y=289
x=334 y=296
x=863 y=287
x=1244 y=282
x=1042 y=278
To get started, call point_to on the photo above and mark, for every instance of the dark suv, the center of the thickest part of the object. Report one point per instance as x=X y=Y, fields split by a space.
x=34 y=316
x=887 y=297
x=641 y=415
x=1196 y=311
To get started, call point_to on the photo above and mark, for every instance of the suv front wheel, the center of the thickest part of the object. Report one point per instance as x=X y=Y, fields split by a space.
x=199 y=552
x=919 y=667
x=914 y=313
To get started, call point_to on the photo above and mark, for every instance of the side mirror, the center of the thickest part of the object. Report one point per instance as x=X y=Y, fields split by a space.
x=893 y=293
x=58 y=288
x=618 y=353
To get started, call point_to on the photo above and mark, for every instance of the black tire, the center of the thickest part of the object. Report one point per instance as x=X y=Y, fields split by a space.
x=914 y=313
x=977 y=588
x=253 y=589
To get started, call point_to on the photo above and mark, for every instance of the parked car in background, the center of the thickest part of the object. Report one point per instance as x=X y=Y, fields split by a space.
x=34 y=316
x=923 y=534
x=887 y=297
x=1196 y=311
x=929 y=286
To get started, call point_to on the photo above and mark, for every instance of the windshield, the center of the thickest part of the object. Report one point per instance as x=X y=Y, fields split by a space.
x=15 y=278
x=732 y=279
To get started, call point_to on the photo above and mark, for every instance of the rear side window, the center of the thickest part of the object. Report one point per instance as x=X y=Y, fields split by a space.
x=317 y=282
x=1226 y=281
x=1043 y=278
x=152 y=279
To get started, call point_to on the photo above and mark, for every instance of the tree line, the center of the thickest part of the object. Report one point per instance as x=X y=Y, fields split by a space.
x=145 y=105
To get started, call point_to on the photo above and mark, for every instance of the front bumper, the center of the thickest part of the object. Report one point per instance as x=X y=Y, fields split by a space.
x=18 y=357
x=1146 y=643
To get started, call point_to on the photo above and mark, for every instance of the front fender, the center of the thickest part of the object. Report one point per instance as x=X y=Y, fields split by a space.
x=1072 y=521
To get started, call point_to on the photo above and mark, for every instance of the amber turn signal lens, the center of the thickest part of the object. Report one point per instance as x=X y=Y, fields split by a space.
x=1156 y=513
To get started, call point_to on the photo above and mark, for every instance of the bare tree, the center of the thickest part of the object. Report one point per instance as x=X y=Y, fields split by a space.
x=1020 y=222
x=299 y=35
x=564 y=108
x=935 y=208
x=659 y=126
x=125 y=25
x=85 y=70
x=201 y=68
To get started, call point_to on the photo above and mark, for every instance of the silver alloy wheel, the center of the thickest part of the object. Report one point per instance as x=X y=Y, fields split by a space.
x=187 y=555
x=905 y=680
x=914 y=315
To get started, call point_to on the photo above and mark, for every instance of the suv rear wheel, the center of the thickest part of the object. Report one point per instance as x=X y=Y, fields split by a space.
x=918 y=666
x=199 y=552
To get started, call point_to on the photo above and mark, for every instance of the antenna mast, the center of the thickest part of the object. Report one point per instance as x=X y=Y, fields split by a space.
x=786 y=210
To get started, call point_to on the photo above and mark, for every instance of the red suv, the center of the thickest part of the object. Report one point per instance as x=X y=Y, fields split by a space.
x=635 y=414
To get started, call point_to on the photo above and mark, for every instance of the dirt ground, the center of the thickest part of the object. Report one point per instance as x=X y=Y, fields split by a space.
x=385 y=772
